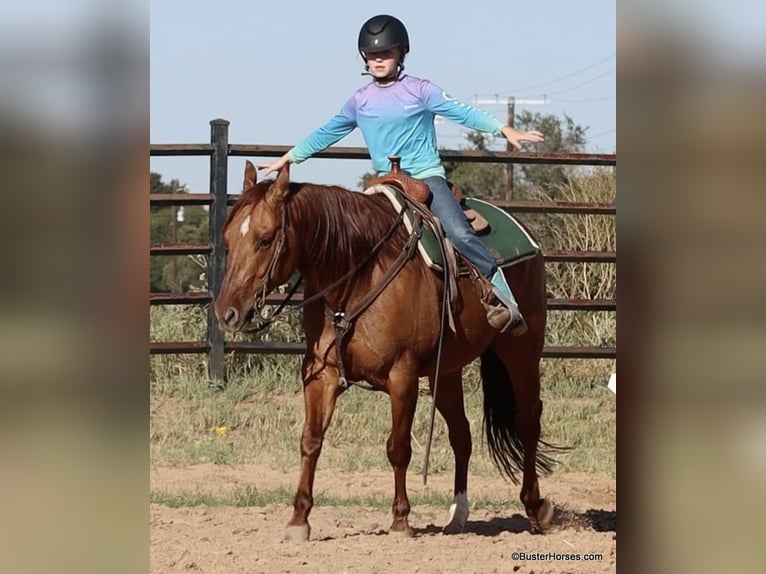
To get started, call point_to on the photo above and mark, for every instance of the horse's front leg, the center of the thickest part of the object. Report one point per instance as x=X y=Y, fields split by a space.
x=320 y=391
x=404 y=397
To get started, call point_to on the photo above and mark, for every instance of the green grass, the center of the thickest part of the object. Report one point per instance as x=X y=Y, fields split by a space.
x=261 y=406
x=250 y=496
x=261 y=409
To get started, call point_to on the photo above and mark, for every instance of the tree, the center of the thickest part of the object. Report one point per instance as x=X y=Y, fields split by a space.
x=488 y=180
x=365 y=179
x=474 y=180
x=482 y=180
x=562 y=135
x=175 y=225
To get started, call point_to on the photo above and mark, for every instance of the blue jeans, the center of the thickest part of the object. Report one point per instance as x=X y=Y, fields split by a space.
x=456 y=227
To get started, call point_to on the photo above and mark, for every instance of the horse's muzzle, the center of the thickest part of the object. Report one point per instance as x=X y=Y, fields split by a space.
x=233 y=321
x=228 y=320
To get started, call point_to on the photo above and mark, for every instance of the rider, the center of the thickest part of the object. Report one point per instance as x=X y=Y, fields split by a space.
x=395 y=113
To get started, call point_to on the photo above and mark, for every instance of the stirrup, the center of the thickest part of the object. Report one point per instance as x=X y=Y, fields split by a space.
x=500 y=317
x=516 y=327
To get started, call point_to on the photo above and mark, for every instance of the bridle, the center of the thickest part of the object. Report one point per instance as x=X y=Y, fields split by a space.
x=262 y=290
x=343 y=320
x=270 y=270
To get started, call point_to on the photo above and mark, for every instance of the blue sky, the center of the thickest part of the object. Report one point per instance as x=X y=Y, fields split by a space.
x=279 y=70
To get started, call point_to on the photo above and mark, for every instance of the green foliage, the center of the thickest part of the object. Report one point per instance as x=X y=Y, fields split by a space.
x=249 y=496
x=176 y=273
x=580 y=280
x=562 y=135
x=488 y=181
x=482 y=180
x=258 y=416
x=185 y=373
x=365 y=179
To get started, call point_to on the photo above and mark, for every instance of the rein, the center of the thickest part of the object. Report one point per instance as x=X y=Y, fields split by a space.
x=344 y=320
x=279 y=313
x=450 y=290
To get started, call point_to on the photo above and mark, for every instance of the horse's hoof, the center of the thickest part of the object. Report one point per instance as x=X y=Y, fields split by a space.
x=458 y=515
x=454 y=527
x=543 y=518
x=298 y=533
x=403 y=533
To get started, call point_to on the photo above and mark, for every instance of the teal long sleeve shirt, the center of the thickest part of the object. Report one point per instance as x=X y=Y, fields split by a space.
x=397 y=119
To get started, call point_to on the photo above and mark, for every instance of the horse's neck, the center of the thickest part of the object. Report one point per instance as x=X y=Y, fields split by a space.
x=335 y=241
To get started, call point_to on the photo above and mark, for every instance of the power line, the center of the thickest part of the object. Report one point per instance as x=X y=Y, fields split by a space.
x=581 y=84
x=509 y=100
x=569 y=75
x=598 y=135
x=584 y=101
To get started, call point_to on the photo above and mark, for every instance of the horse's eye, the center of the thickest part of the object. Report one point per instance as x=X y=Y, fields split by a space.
x=264 y=243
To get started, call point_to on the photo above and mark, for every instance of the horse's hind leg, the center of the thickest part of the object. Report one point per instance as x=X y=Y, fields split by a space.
x=404 y=396
x=321 y=389
x=539 y=510
x=449 y=402
x=524 y=371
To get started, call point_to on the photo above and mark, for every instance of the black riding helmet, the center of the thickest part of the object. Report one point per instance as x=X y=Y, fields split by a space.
x=383 y=32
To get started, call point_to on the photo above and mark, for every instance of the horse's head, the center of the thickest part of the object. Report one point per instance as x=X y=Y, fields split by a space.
x=259 y=258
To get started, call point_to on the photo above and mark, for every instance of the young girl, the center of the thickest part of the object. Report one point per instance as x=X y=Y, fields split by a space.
x=395 y=113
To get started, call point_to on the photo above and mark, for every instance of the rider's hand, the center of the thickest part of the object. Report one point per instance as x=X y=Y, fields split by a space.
x=275 y=166
x=516 y=137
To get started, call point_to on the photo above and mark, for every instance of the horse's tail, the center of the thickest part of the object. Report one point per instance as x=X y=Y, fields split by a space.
x=501 y=424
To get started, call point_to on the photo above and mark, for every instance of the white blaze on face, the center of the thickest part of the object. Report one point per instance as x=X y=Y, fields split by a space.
x=245 y=227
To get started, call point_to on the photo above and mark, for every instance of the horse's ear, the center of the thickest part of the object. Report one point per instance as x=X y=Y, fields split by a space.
x=251 y=176
x=283 y=178
x=278 y=192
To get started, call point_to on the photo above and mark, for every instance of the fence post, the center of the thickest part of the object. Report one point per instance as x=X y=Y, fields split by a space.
x=219 y=138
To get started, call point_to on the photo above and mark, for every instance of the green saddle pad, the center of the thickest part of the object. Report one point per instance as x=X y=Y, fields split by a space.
x=506 y=239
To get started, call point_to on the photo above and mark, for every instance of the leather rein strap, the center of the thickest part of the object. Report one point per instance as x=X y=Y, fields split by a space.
x=449 y=295
x=344 y=320
x=267 y=321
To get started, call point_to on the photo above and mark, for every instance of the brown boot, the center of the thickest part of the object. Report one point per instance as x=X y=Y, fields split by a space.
x=502 y=318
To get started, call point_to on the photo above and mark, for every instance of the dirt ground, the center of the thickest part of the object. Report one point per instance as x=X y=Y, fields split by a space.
x=354 y=539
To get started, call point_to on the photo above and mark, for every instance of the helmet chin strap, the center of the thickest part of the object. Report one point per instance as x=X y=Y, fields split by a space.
x=392 y=78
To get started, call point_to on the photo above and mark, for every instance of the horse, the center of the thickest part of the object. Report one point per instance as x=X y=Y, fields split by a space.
x=343 y=243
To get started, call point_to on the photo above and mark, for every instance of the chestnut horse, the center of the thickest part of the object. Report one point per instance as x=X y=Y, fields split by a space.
x=328 y=234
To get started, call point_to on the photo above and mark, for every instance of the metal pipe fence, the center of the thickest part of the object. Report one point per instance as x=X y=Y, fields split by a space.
x=219 y=150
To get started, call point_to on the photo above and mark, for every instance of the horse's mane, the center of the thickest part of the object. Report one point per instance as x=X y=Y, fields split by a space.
x=249 y=196
x=342 y=227
x=338 y=227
